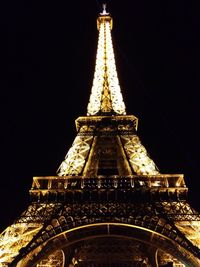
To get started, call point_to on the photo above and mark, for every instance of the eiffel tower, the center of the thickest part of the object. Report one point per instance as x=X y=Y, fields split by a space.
x=109 y=205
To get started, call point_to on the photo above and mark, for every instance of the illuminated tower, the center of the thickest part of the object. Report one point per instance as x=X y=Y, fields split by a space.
x=109 y=205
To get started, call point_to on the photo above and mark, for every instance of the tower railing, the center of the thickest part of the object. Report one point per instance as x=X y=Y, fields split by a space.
x=132 y=188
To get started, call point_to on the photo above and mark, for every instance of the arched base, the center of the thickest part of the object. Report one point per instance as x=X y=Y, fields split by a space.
x=73 y=237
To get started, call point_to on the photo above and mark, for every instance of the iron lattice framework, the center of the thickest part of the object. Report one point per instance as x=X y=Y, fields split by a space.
x=109 y=205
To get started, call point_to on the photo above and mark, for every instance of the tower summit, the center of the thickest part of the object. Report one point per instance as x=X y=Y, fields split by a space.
x=106 y=97
x=108 y=205
x=106 y=113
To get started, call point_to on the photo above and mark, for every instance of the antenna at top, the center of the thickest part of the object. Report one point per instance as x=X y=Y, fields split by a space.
x=104 y=10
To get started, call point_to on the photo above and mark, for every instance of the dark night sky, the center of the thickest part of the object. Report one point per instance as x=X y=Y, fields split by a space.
x=48 y=51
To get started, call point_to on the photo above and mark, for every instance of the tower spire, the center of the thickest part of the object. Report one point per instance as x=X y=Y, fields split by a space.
x=104 y=10
x=106 y=97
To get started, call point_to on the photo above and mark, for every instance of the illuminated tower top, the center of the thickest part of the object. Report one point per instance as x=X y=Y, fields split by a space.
x=108 y=203
x=106 y=97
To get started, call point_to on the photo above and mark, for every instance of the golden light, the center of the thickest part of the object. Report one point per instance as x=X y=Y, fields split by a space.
x=106 y=93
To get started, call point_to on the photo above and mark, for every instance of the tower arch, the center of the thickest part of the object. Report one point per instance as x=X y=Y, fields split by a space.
x=111 y=232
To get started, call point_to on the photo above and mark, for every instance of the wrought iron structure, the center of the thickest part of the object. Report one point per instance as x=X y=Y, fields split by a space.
x=108 y=205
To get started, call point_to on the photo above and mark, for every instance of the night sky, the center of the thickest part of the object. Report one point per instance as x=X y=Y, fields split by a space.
x=48 y=51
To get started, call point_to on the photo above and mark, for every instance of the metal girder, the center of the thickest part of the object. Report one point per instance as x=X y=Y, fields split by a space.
x=55 y=259
x=39 y=212
x=143 y=215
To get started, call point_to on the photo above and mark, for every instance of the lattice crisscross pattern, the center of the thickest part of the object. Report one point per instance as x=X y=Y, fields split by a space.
x=138 y=157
